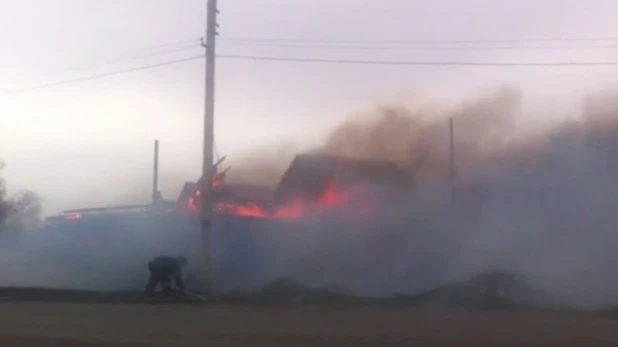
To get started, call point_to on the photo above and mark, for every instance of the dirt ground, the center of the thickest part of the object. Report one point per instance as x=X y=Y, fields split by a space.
x=40 y=324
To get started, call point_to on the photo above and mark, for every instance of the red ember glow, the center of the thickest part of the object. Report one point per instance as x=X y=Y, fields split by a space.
x=73 y=216
x=217 y=182
x=331 y=195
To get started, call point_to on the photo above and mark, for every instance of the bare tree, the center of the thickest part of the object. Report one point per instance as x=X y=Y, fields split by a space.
x=25 y=206
x=5 y=206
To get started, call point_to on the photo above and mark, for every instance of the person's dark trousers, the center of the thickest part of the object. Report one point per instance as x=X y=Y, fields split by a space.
x=155 y=279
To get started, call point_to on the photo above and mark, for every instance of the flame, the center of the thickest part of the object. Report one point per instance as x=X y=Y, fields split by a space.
x=217 y=181
x=331 y=196
x=193 y=202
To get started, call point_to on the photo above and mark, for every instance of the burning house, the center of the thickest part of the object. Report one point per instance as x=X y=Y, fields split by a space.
x=311 y=181
x=310 y=176
x=260 y=242
x=260 y=234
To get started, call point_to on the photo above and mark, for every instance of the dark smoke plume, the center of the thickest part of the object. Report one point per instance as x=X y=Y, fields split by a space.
x=540 y=203
x=419 y=142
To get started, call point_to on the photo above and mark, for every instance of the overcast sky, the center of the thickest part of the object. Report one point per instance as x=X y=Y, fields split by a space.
x=90 y=143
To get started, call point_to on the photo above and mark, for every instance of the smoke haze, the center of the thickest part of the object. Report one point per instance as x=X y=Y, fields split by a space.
x=538 y=202
x=262 y=166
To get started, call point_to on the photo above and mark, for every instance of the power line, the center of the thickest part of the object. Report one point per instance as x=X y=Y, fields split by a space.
x=477 y=41
x=163 y=50
x=416 y=48
x=318 y=60
x=418 y=63
x=186 y=46
x=102 y=75
x=194 y=40
x=155 y=53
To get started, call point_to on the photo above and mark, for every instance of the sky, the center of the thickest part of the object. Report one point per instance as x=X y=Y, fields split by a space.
x=90 y=143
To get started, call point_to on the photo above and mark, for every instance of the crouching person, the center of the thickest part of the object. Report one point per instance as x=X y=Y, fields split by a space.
x=163 y=270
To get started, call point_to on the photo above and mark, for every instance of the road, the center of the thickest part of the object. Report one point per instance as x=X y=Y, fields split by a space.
x=41 y=324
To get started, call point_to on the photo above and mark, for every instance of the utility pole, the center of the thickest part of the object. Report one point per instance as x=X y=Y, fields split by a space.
x=207 y=163
x=451 y=127
x=155 y=174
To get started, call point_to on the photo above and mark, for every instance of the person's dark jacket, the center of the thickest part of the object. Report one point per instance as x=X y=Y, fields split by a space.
x=164 y=268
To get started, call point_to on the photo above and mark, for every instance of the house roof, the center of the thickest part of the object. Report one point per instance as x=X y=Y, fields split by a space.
x=308 y=174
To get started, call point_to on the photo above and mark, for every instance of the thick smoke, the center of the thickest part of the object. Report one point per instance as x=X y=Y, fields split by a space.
x=109 y=254
x=263 y=166
x=540 y=203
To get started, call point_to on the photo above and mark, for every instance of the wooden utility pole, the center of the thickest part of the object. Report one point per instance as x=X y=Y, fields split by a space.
x=208 y=149
x=452 y=172
x=155 y=174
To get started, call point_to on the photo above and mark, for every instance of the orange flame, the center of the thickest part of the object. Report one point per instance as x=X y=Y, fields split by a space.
x=330 y=197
